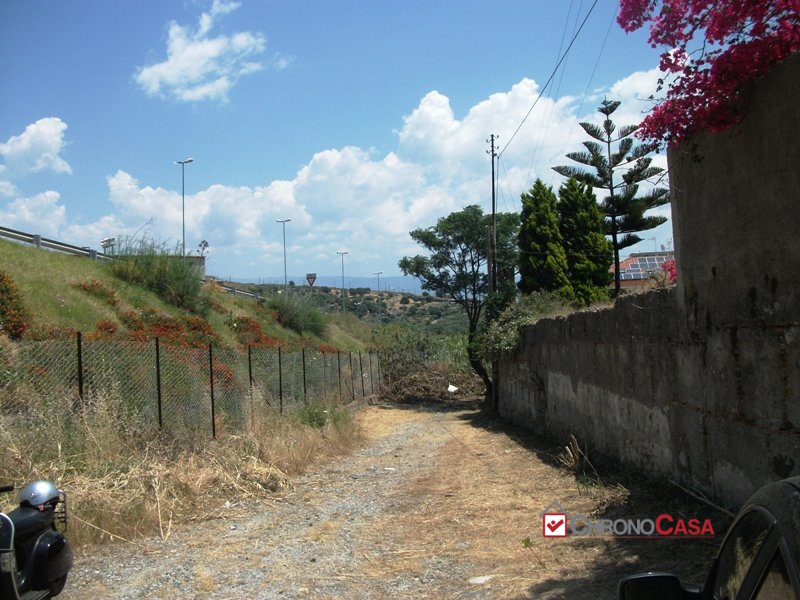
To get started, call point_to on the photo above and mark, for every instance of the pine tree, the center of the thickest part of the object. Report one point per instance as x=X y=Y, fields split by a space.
x=543 y=263
x=620 y=172
x=588 y=252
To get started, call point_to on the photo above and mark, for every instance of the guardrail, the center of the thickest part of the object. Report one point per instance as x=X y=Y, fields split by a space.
x=43 y=242
x=235 y=291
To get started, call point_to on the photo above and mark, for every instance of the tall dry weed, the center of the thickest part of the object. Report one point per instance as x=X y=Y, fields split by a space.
x=125 y=481
x=290 y=441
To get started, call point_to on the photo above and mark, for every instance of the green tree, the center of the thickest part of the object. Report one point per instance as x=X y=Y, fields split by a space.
x=589 y=253
x=619 y=167
x=456 y=265
x=543 y=263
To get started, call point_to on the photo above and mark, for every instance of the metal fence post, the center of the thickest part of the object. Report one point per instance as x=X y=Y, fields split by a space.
x=80 y=366
x=339 y=364
x=280 y=380
x=361 y=374
x=305 y=393
x=250 y=368
x=158 y=382
x=352 y=377
x=211 y=379
x=371 y=378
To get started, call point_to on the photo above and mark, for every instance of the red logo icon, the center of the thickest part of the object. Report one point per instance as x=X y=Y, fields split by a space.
x=554 y=524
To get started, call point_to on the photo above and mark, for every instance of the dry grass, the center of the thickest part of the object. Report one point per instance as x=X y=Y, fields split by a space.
x=575 y=460
x=480 y=502
x=125 y=482
x=432 y=382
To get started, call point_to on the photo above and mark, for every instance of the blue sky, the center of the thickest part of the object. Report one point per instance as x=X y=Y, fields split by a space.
x=357 y=120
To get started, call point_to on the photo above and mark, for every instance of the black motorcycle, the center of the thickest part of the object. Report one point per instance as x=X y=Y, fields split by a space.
x=35 y=557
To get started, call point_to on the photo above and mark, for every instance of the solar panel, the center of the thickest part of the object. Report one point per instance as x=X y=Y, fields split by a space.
x=641 y=266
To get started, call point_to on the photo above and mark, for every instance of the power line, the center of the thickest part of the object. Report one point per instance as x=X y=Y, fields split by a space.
x=577 y=14
x=594 y=70
x=507 y=202
x=541 y=131
x=549 y=79
x=580 y=106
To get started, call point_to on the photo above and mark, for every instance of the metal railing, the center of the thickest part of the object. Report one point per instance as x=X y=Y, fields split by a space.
x=43 y=242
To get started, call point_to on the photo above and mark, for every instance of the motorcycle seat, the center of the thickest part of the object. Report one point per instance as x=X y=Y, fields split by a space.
x=28 y=520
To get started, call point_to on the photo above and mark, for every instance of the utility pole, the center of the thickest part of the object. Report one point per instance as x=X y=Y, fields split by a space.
x=493 y=268
x=493 y=239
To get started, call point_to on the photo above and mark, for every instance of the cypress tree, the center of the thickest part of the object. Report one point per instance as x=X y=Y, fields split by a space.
x=543 y=263
x=588 y=252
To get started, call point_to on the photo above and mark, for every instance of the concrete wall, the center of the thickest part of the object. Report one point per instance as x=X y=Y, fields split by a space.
x=701 y=381
x=736 y=212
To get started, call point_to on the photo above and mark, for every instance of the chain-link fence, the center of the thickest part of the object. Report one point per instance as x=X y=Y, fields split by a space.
x=185 y=391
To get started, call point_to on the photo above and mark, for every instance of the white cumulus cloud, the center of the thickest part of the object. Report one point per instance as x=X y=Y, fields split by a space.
x=201 y=67
x=6 y=187
x=42 y=214
x=356 y=199
x=36 y=149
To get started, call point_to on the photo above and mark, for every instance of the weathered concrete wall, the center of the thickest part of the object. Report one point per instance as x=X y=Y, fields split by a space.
x=736 y=211
x=701 y=381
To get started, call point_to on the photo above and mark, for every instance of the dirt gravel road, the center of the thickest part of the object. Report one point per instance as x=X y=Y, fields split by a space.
x=440 y=502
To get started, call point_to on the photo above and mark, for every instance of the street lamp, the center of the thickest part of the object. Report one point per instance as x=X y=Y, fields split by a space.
x=183 y=164
x=378 y=273
x=283 y=222
x=343 y=253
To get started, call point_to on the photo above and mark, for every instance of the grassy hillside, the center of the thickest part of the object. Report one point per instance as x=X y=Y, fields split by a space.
x=62 y=294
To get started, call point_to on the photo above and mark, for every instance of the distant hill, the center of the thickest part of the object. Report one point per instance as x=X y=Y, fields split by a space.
x=396 y=283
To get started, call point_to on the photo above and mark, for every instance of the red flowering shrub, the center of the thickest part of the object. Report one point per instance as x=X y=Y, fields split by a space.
x=106 y=327
x=199 y=325
x=14 y=317
x=713 y=48
x=199 y=331
x=670 y=268
x=164 y=326
x=249 y=332
x=96 y=288
x=189 y=331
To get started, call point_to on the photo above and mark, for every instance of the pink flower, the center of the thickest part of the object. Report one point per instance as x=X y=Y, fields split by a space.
x=714 y=48
x=670 y=268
